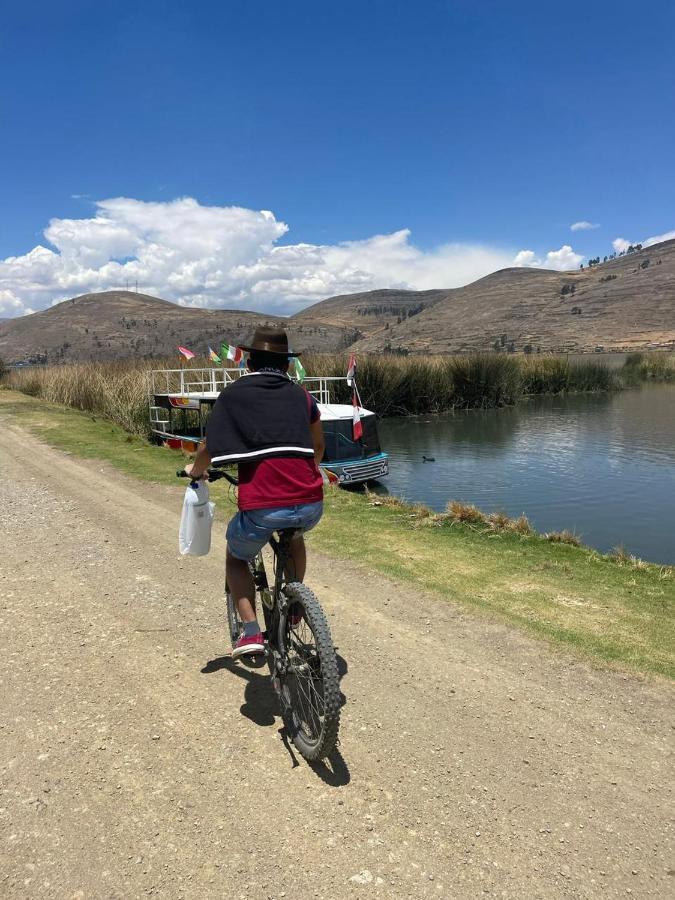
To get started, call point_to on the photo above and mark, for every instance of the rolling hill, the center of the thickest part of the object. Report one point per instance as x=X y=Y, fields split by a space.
x=122 y=324
x=627 y=303
x=623 y=304
x=370 y=311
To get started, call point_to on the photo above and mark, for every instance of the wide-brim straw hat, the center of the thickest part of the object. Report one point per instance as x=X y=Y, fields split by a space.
x=270 y=340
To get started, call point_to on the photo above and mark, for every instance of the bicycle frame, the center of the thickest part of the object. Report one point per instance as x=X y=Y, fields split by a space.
x=273 y=609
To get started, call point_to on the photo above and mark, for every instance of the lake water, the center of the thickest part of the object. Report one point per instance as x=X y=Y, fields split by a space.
x=600 y=465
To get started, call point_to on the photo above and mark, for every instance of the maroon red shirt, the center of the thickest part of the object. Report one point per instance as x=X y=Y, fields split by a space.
x=281 y=481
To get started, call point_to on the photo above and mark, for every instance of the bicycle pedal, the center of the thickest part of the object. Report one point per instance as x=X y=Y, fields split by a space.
x=253 y=660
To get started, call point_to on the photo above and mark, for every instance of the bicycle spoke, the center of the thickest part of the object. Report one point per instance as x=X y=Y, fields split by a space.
x=309 y=679
x=303 y=660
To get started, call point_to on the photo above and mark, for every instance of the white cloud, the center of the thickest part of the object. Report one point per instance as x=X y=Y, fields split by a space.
x=231 y=257
x=560 y=260
x=656 y=239
x=10 y=305
x=621 y=244
x=583 y=226
x=526 y=258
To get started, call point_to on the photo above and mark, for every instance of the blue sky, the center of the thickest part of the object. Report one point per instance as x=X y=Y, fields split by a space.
x=492 y=126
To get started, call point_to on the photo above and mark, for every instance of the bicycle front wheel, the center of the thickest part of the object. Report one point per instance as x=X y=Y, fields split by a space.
x=310 y=688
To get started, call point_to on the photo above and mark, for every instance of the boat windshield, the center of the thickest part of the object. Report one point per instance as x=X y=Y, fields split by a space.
x=340 y=443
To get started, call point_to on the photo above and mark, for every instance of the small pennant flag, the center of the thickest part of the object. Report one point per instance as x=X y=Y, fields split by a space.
x=213 y=356
x=351 y=371
x=234 y=354
x=299 y=369
x=188 y=354
x=357 y=427
x=242 y=361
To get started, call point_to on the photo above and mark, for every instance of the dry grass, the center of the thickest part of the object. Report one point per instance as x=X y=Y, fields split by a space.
x=498 y=521
x=620 y=555
x=116 y=391
x=563 y=537
x=521 y=525
x=465 y=513
x=390 y=385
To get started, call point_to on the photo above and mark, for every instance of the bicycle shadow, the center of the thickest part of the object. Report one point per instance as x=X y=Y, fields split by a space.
x=261 y=705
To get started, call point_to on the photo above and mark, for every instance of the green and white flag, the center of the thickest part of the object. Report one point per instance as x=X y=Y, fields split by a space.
x=299 y=369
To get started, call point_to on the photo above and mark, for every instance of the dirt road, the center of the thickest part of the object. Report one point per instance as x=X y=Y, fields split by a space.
x=136 y=759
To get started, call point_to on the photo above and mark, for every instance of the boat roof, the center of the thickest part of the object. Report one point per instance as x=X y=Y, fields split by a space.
x=329 y=411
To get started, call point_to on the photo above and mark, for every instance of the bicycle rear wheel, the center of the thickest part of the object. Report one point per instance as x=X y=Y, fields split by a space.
x=310 y=688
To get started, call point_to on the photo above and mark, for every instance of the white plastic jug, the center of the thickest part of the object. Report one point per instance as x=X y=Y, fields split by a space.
x=194 y=535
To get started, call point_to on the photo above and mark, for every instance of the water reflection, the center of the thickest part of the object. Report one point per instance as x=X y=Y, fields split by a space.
x=601 y=464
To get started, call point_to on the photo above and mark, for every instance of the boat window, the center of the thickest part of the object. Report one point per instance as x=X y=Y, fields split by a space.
x=340 y=443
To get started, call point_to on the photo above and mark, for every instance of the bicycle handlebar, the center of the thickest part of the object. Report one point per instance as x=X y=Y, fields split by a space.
x=213 y=475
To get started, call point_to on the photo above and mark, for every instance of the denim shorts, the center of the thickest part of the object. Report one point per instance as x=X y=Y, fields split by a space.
x=251 y=529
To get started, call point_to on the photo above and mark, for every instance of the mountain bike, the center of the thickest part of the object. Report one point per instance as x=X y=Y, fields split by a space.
x=298 y=647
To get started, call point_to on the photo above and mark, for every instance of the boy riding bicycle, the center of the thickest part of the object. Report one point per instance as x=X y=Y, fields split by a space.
x=270 y=427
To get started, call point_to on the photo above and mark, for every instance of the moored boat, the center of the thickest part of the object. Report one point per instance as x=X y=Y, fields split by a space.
x=181 y=400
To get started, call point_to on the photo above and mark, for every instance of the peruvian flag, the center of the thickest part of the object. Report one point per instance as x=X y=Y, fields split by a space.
x=351 y=371
x=188 y=354
x=357 y=427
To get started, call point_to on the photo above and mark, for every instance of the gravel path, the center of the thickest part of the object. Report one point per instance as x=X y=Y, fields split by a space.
x=136 y=759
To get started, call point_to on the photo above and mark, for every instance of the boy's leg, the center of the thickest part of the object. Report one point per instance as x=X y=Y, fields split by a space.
x=297 y=565
x=241 y=586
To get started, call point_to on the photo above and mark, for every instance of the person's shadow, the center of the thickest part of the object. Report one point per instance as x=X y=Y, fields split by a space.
x=261 y=705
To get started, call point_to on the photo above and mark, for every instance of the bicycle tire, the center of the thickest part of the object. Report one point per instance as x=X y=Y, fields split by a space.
x=316 y=739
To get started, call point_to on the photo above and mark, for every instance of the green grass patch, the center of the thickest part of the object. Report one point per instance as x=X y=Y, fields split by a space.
x=617 y=610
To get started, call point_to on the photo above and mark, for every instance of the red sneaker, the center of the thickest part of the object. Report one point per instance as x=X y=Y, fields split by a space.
x=247 y=646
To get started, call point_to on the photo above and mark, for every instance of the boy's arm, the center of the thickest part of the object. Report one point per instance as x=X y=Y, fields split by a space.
x=201 y=463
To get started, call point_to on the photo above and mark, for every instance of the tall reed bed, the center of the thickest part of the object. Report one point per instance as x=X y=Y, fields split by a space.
x=408 y=385
x=555 y=375
x=390 y=385
x=650 y=366
x=117 y=391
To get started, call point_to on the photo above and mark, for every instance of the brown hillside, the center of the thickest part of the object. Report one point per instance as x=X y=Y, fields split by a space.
x=371 y=310
x=625 y=303
x=121 y=324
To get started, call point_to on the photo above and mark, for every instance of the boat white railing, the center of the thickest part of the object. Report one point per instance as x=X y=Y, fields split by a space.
x=319 y=388
x=191 y=381
x=185 y=382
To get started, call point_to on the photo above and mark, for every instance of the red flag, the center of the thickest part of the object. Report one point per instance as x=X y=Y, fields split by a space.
x=188 y=354
x=351 y=371
x=357 y=427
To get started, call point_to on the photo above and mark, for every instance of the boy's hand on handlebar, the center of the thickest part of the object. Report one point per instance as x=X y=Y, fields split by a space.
x=196 y=476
